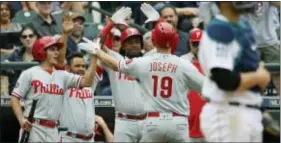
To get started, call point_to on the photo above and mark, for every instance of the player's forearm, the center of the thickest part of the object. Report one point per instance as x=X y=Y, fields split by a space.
x=247 y=80
x=185 y=11
x=62 y=54
x=17 y=109
x=108 y=134
x=111 y=62
x=88 y=78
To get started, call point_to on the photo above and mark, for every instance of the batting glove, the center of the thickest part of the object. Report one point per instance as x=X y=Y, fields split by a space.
x=119 y=16
x=149 y=12
x=89 y=46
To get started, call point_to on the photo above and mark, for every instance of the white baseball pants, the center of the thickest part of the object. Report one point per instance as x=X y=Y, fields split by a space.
x=165 y=128
x=228 y=123
x=40 y=133
x=127 y=130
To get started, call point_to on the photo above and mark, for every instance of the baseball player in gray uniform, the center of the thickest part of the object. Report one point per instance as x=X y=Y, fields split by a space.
x=47 y=84
x=128 y=101
x=164 y=80
x=78 y=113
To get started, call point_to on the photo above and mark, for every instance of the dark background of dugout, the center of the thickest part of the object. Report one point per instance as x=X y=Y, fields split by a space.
x=10 y=126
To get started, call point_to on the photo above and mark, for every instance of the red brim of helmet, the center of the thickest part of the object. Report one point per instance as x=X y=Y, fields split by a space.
x=59 y=45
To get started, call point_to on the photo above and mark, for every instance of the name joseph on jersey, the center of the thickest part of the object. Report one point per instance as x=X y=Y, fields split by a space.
x=163 y=67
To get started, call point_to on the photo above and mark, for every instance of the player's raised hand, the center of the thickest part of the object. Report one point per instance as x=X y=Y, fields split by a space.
x=89 y=46
x=25 y=124
x=149 y=12
x=264 y=76
x=67 y=24
x=119 y=17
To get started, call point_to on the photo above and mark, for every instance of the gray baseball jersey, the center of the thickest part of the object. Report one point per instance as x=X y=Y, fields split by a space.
x=126 y=93
x=165 y=81
x=78 y=113
x=36 y=83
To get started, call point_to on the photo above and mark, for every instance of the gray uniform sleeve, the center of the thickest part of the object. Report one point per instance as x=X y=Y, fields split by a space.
x=22 y=86
x=129 y=67
x=113 y=54
x=72 y=80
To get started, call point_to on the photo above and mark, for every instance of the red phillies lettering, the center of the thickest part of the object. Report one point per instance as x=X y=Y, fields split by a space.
x=39 y=87
x=80 y=93
x=125 y=77
x=163 y=67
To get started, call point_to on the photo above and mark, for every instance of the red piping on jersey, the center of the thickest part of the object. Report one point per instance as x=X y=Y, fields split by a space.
x=16 y=94
x=78 y=82
x=99 y=72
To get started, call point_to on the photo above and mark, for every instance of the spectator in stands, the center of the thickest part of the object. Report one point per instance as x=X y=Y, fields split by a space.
x=44 y=23
x=262 y=22
x=169 y=13
x=6 y=14
x=23 y=53
x=6 y=25
x=76 y=35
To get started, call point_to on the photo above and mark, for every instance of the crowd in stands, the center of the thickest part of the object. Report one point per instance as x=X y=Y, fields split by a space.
x=23 y=22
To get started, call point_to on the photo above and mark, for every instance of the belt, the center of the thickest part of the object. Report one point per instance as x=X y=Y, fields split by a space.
x=157 y=114
x=238 y=104
x=79 y=136
x=45 y=123
x=132 y=117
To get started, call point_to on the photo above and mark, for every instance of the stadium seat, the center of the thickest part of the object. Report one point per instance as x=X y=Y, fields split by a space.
x=91 y=29
x=24 y=17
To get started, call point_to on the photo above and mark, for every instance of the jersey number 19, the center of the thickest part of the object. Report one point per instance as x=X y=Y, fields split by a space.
x=165 y=86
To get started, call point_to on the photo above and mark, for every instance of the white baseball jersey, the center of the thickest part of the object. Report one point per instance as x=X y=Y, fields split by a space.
x=228 y=56
x=165 y=80
x=78 y=113
x=48 y=88
x=126 y=92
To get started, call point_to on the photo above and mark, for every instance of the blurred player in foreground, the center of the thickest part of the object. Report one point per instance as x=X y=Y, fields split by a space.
x=196 y=102
x=163 y=79
x=78 y=113
x=230 y=59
